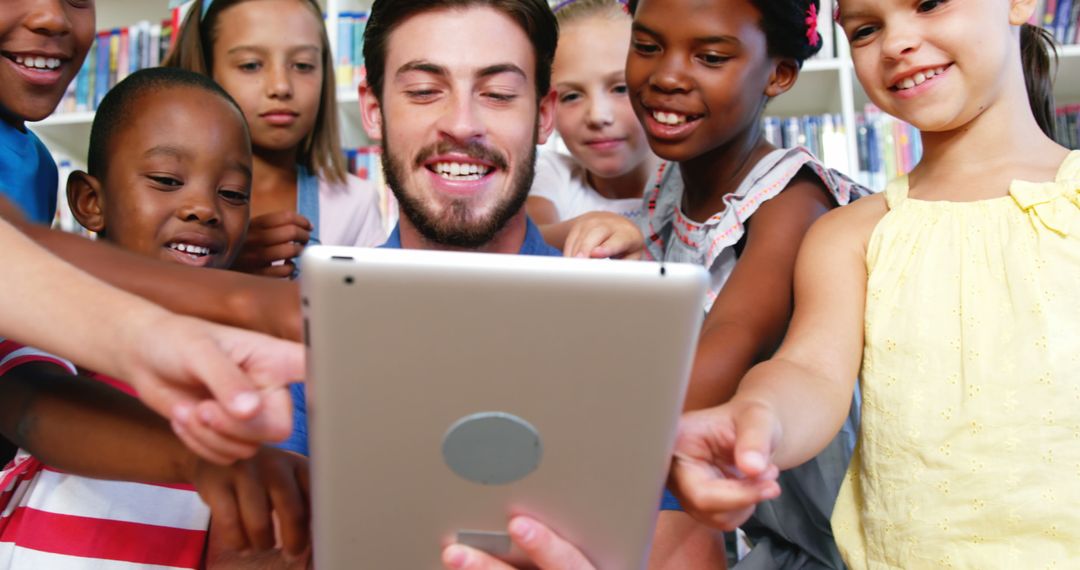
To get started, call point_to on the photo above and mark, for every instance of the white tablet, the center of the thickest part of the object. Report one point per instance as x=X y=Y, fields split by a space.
x=448 y=392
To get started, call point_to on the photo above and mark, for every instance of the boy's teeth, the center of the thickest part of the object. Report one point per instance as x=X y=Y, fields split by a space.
x=460 y=170
x=37 y=62
x=669 y=118
x=188 y=248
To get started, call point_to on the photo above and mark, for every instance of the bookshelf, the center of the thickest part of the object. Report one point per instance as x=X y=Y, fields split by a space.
x=826 y=85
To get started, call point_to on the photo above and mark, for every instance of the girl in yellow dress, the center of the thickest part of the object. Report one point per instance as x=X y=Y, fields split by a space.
x=952 y=296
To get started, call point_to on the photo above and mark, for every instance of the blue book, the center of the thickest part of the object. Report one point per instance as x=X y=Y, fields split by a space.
x=1061 y=20
x=101 y=61
x=772 y=131
x=82 y=84
x=792 y=132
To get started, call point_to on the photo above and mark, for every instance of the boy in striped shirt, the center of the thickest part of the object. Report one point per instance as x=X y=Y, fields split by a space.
x=100 y=481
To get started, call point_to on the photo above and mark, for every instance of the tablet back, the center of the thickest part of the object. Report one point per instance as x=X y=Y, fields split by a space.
x=451 y=391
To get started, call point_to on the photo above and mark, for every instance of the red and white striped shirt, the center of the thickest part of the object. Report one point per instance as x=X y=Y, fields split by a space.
x=59 y=521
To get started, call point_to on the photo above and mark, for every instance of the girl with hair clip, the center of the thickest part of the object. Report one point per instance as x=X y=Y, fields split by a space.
x=610 y=163
x=700 y=77
x=273 y=57
x=951 y=295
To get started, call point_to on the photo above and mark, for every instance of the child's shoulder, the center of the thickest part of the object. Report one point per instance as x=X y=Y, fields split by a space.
x=854 y=222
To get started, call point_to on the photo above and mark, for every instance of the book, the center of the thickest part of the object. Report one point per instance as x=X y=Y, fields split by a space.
x=1061 y=20
x=115 y=54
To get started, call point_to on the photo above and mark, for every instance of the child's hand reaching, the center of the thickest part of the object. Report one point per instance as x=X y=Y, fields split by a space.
x=254 y=501
x=604 y=234
x=270 y=238
x=722 y=467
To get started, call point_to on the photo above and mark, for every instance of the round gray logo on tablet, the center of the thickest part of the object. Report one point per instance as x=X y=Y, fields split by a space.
x=492 y=448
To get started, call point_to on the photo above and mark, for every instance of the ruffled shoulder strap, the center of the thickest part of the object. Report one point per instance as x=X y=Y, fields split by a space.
x=896 y=191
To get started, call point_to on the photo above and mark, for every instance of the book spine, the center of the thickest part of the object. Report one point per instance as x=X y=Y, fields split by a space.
x=113 y=57
x=344 y=55
x=101 y=81
x=155 y=45
x=1061 y=20
x=123 y=61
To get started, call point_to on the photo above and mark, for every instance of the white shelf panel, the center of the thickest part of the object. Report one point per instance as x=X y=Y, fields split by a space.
x=61 y=119
x=119 y=14
x=1067 y=83
x=815 y=93
x=352 y=127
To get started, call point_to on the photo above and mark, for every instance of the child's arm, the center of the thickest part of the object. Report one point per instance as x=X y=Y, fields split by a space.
x=266 y=305
x=680 y=542
x=593 y=234
x=87 y=428
x=786 y=409
x=172 y=361
x=83 y=426
x=751 y=312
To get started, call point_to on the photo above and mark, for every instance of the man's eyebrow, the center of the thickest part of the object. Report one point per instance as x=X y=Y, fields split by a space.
x=167 y=150
x=423 y=67
x=500 y=68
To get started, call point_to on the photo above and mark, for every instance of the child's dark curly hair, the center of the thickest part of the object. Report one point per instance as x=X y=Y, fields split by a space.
x=790 y=27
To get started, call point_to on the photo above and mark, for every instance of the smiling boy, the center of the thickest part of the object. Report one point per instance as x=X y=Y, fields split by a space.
x=169 y=177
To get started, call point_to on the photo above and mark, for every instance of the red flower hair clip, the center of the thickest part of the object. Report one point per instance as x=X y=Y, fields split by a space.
x=812 y=35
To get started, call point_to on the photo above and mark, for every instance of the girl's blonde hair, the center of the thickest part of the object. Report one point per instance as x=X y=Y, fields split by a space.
x=575 y=10
x=320 y=151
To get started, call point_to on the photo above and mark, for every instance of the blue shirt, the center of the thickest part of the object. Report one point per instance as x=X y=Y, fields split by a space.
x=534 y=244
x=28 y=175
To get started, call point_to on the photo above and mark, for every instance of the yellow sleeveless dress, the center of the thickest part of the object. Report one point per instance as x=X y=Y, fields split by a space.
x=969 y=449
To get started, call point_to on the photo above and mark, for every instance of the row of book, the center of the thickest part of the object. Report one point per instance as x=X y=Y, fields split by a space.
x=350 y=50
x=887 y=147
x=1068 y=126
x=115 y=54
x=823 y=135
x=1061 y=18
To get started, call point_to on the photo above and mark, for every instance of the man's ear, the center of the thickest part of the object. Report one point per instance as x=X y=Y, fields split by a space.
x=784 y=75
x=370 y=112
x=86 y=200
x=1020 y=11
x=545 y=117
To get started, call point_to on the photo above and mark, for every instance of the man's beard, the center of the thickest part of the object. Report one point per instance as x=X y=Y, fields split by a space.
x=457 y=227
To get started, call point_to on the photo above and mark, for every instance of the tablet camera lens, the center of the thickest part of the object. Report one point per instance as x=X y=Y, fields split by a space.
x=349 y=280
